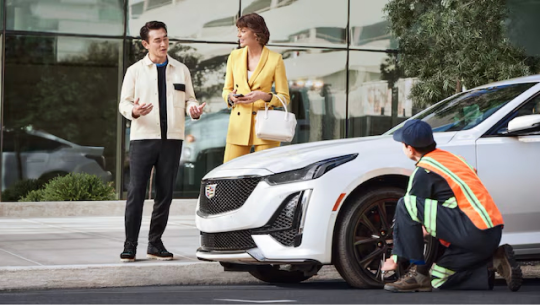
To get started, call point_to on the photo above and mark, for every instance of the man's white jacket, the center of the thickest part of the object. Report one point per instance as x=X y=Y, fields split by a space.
x=141 y=81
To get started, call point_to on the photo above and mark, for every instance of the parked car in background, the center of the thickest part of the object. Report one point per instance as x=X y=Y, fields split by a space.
x=281 y=214
x=32 y=154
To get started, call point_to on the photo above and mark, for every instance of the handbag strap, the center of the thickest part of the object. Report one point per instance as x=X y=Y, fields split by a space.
x=282 y=102
x=284 y=107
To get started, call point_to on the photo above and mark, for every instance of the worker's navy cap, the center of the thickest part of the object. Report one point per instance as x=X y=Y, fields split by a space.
x=415 y=133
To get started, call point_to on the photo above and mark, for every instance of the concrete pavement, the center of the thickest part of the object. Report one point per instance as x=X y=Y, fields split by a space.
x=77 y=245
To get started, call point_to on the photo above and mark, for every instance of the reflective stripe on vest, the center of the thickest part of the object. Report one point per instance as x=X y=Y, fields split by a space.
x=410 y=200
x=471 y=195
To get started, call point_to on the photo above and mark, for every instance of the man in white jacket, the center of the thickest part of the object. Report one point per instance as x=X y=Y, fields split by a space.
x=156 y=94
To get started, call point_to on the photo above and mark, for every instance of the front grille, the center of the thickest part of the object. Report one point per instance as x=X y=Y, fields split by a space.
x=227 y=241
x=225 y=194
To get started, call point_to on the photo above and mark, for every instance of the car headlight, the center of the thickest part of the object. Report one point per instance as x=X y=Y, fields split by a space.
x=312 y=171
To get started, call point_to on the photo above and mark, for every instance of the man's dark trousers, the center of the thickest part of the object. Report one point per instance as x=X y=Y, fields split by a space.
x=467 y=258
x=164 y=155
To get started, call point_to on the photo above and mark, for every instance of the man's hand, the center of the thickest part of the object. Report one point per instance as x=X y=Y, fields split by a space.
x=424 y=231
x=389 y=265
x=141 y=109
x=196 y=111
x=254 y=96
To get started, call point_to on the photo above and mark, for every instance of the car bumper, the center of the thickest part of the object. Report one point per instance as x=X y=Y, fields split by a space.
x=106 y=176
x=252 y=256
x=252 y=232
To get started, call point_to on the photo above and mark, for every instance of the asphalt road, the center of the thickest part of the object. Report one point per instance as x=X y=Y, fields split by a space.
x=336 y=292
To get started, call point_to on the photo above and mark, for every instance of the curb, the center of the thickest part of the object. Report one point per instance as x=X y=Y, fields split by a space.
x=130 y=275
x=115 y=275
x=145 y=274
x=86 y=208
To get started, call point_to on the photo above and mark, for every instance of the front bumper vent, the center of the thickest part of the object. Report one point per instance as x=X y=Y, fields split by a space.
x=284 y=225
x=227 y=241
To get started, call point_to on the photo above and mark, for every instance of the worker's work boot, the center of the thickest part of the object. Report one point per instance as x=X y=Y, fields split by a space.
x=412 y=281
x=507 y=267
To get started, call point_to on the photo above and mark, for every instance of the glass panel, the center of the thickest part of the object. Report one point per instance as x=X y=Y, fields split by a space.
x=317 y=85
x=377 y=95
x=60 y=107
x=317 y=81
x=523 y=23
x=2 y=14
x=302 y=22
x=369 y=28
x=205 y=20
x=99 y=17
x=205 y=139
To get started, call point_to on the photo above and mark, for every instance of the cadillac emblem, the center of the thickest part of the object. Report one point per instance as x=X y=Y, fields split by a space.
x=210 y=191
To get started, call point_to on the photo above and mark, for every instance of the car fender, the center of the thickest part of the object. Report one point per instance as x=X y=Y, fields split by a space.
x=350 y=192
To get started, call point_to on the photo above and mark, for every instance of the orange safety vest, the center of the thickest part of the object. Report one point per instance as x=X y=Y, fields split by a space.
x=471 y=195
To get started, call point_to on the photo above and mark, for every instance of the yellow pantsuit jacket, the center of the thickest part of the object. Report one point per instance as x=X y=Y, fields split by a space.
x=270 y=69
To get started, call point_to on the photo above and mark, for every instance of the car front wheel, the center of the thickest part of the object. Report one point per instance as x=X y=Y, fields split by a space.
x=363 y=238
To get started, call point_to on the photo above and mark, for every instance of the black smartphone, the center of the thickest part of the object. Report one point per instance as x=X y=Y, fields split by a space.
x=238 y=95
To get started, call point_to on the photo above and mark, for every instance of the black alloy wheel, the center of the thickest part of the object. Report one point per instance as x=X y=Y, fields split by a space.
x=364 y=239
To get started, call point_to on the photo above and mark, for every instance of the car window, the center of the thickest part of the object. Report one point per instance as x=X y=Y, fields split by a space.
x=31 y=143
x=468 y=109
x=9 y=142
x=531 y=107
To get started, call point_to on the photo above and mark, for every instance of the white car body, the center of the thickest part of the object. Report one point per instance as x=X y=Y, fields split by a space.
x=508 y=166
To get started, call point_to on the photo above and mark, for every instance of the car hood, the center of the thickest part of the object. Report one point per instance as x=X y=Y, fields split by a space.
x=285 y=158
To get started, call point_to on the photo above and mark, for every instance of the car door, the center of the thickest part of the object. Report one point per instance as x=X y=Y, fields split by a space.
x=36 y=153
x=509 y=167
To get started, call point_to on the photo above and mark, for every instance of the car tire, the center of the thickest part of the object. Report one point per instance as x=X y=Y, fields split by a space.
x=272 y=274
x=359 y=265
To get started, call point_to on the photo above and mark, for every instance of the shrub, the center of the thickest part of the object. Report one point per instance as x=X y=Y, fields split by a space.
x=33 y=196
x=21 y=189
x=74 y=187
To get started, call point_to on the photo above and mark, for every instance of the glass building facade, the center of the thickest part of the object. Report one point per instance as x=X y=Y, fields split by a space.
x=63 y=62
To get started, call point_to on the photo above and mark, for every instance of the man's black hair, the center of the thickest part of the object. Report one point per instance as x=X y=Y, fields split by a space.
x=151 y=25
x=426 y=149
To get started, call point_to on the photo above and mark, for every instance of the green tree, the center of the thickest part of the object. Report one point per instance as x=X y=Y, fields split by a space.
x=451 y=44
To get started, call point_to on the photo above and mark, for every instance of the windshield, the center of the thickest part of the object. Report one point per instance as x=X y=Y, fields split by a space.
x=466 y=110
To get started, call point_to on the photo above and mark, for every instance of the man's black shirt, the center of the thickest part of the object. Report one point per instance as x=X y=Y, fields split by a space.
x=162 y=94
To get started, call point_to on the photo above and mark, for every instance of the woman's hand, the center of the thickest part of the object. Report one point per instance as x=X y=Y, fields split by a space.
x=232 y=98
x=254 y=96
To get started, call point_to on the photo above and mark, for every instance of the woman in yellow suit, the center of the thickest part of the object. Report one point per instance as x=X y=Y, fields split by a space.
x=251 y=71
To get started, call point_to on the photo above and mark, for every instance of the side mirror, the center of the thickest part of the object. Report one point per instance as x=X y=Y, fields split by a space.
x=524 y=124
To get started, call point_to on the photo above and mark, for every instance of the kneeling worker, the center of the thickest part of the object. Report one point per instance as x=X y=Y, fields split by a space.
x=446 y=197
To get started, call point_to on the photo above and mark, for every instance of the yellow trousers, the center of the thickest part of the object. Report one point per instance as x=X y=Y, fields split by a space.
x=234 y=151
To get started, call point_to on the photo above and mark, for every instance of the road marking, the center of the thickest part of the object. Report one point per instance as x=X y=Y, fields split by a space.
x=24 y=258
x=254 y=301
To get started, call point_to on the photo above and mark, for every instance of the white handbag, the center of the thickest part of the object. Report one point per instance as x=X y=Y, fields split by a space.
x=275 y=125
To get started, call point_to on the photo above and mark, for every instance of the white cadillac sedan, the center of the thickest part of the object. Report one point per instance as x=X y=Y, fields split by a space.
x=282 y=213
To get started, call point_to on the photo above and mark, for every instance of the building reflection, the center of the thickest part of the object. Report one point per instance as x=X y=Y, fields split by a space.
x=65 y=61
